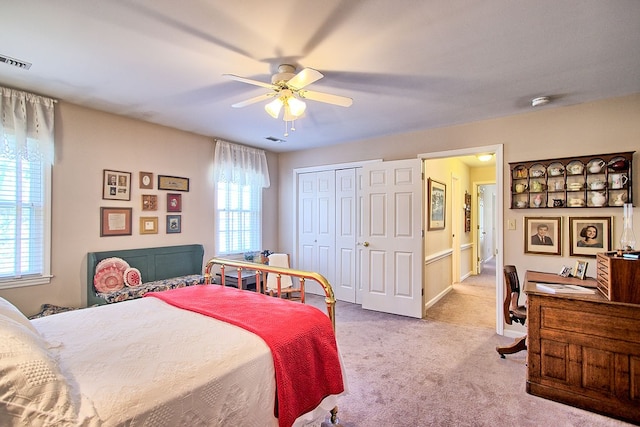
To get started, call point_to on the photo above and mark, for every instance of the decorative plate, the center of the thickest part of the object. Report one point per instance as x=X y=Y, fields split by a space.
x=108 y=279
x=132 y=277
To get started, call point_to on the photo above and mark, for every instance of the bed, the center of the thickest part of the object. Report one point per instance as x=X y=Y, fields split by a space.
x=158 y=361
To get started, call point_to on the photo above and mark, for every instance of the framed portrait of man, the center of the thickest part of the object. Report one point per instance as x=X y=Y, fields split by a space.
x=543 y=235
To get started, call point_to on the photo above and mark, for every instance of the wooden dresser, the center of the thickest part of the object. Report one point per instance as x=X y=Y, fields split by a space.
x=583 y=350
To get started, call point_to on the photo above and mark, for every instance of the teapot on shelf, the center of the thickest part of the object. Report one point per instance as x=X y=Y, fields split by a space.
x=597 y=185
x=596 y=166
x=520 y=188
x=575 y=169
x=536 y=186
x=598 y=199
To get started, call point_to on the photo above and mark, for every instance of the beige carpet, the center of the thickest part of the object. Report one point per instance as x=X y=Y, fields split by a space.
x=440 y=371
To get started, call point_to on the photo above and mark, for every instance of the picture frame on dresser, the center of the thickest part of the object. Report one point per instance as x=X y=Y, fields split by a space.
x=589 y=235
x=543 y=235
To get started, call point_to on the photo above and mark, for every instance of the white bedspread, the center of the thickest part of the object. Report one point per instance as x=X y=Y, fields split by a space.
x=212 y=373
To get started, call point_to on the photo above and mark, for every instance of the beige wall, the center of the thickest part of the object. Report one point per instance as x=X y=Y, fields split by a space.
x=599 y=127
x=88 y=141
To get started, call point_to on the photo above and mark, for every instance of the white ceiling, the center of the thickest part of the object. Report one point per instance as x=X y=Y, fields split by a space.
x=407 y=64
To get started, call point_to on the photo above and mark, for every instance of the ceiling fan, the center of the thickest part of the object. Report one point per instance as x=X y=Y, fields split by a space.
x=288 y=91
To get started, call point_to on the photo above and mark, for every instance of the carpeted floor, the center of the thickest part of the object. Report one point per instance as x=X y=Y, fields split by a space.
x=442 y=370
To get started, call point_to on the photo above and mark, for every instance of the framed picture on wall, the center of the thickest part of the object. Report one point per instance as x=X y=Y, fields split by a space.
x=116 y=185
x=146 y=180
x=115 y=222
x=174 y=224
x=437 y=204
x=174 y=202
x=589 y=235
x=543 y=235
x=148 y=225
x=149 y=202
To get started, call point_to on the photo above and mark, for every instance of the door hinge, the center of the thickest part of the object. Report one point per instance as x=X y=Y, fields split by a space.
x=422 y=291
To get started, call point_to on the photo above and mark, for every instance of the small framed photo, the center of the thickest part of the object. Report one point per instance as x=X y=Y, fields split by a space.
x=543 y=235
x=437 y=204
x=174 y=202
x=148 y=225
x=173 y=183
x=116 y=185
x=580 y=270
x=565 y=271
x=174 y=224
x=149 y=202
x=146 y=180
x=115 y=222
x=589 y=235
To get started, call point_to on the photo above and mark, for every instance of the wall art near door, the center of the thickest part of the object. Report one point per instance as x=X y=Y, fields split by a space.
x=589 y=235
x=543 y=235
x=116 y=185
x=437 y=205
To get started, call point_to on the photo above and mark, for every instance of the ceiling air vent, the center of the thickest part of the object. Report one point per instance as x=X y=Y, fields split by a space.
x=15 y=62
x=274 y=139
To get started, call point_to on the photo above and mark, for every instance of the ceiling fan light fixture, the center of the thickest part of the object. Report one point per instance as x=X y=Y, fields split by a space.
x=274 y=107
x=296 y=106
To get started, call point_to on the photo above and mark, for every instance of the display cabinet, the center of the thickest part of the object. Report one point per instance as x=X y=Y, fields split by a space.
x=595 y=181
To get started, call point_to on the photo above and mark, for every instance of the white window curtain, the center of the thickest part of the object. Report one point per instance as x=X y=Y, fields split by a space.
x=26 y=155
x=26 y=126
x=237 y=164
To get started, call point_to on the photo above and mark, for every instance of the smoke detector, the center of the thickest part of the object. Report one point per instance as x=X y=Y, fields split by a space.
x=540 y=101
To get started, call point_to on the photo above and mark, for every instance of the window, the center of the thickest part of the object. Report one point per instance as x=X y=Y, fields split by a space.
x=239 y=216
x=240 y=173
x=26 y=156
x=24 y=221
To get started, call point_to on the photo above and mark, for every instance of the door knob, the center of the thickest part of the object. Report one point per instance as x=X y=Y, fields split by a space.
x=365 y=244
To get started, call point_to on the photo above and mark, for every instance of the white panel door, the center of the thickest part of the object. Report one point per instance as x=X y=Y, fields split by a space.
x=392 y=232
x=344 y=285
x=316 y=226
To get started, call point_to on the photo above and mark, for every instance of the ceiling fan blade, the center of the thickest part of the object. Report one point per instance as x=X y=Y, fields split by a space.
x=304 y=78
x=250 y=81
x=253 y=100
x=342 y=101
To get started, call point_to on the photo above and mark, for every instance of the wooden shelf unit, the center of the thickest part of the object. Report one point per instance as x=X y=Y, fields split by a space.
x=571 y=182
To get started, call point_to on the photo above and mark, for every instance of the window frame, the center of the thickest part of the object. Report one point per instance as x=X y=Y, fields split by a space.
x=256 y=196
x=45 y=276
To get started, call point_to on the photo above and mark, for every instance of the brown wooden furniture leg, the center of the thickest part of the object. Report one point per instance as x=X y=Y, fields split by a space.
x=518 y=345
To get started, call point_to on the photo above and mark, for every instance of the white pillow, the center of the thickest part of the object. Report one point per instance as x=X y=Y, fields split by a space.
x=12 y=312
x=33 y=391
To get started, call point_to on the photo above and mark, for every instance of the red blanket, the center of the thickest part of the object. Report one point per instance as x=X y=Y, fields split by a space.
x=300 y=336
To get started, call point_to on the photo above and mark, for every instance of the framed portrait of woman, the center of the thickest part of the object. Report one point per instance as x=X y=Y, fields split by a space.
x=589 y=235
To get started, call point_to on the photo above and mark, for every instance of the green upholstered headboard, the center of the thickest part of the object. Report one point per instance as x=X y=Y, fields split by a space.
x=154 y=264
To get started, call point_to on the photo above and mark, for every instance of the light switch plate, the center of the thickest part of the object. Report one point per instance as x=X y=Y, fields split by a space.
x=511 y=224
